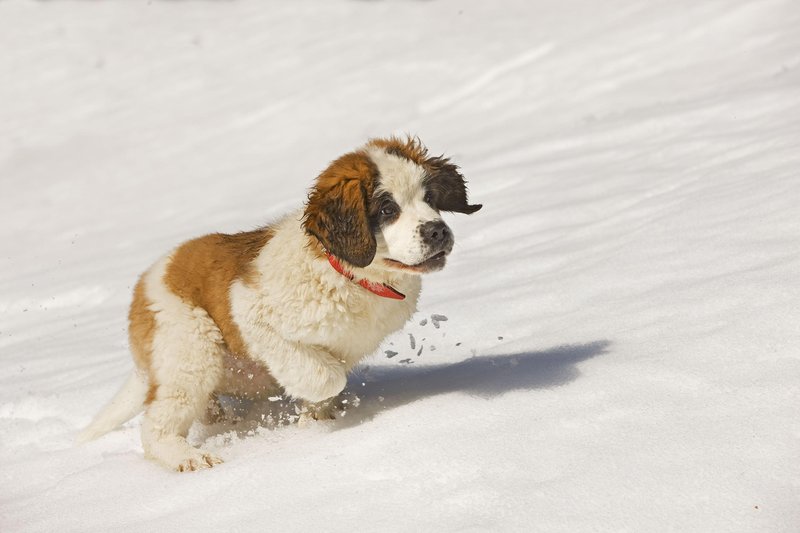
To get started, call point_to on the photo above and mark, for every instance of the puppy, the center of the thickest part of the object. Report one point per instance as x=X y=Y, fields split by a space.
x=289 y=308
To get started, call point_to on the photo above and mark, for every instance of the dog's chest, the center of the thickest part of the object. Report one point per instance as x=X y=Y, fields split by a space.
x=355 y=326
x=331 y=312
x=348 y=319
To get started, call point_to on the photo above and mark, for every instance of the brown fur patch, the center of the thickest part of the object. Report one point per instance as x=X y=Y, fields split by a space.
x=336 y=212
x=202 y=270
x=141 y=329
x=411 y=148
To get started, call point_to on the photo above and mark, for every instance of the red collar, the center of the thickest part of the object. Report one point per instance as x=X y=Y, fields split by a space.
x=381 y=289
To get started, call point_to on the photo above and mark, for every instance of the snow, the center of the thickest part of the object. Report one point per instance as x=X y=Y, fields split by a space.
x=621 y=352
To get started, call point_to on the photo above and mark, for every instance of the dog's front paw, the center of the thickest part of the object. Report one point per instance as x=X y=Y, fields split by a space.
x=198 y=460
x=319 y=411
x=327 y=382
x=336 y=382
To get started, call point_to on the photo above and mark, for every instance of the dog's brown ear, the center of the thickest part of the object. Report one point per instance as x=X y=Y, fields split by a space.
x=447 y=186
x=336 y=212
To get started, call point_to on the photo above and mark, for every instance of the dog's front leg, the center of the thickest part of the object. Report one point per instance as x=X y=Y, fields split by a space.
x=307 y=372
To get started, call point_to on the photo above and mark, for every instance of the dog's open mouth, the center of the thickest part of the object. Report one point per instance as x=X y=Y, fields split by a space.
x=434 y=262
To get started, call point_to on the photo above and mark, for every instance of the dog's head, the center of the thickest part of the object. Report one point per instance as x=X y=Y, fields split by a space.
x=381 y=206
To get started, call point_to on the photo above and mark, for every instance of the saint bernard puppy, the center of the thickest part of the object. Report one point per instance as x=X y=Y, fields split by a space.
x=289 y=308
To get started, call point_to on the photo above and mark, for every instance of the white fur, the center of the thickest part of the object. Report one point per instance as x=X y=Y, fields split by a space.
x=403 y=179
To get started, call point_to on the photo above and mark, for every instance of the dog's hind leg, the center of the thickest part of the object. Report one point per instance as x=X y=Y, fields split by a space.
x=166 y=423
x=186 y=379
x=185 y=368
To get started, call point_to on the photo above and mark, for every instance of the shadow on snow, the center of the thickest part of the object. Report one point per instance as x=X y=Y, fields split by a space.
x=483 y=376
x=386 y=388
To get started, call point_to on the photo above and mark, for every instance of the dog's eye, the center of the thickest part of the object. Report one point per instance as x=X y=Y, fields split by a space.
x=428 y=198
x=388 y=210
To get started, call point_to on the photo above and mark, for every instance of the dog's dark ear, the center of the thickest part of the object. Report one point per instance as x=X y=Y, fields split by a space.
x=336 y=212
x=447 y=186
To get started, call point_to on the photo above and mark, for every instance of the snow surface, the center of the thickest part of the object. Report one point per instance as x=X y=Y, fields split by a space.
x=622 y=349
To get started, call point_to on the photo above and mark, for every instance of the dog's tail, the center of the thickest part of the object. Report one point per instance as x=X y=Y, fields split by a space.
x=126 y=404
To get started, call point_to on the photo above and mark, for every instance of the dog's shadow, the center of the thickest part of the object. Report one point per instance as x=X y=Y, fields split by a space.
x=484 y=376
x=374 y=390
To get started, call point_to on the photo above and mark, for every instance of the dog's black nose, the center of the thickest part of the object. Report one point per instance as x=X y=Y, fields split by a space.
x=436 y=234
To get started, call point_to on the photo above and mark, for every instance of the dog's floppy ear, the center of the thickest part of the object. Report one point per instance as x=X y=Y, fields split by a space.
x=447 y=186
x=336 y=212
